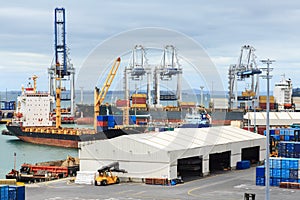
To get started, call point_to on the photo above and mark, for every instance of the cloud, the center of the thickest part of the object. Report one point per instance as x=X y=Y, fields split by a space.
x=220 y=27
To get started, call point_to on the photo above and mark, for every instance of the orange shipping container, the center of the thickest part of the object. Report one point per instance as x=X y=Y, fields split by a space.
x=139 y=95
x=139 y=106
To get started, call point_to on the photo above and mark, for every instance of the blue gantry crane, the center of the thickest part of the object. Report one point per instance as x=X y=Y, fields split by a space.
x=62 y=68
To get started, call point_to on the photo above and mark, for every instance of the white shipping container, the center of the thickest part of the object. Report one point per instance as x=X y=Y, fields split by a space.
x=219 y=103
x=297 y=106
x=85 y=177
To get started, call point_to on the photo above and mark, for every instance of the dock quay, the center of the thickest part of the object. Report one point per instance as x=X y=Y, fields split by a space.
x=226 y=186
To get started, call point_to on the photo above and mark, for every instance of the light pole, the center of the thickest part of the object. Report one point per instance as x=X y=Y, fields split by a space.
x=201 y=96
x=268 y=77
x=81 y=100
x=136 y=88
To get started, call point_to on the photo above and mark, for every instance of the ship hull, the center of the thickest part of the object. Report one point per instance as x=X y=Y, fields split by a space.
x=67 y=140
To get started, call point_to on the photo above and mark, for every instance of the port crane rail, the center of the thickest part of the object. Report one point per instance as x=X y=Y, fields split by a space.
x=100 y=96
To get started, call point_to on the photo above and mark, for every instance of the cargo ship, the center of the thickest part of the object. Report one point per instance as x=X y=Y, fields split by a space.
x=32 y=122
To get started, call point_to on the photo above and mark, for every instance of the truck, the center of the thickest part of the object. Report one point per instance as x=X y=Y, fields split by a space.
x=46 y=171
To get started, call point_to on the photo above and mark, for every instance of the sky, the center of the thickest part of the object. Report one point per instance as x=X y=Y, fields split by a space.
x=216 y=29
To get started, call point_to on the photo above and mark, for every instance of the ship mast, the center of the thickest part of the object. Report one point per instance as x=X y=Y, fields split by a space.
x=34 y=77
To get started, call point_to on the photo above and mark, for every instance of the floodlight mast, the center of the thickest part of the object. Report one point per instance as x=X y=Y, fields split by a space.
x=268 y=62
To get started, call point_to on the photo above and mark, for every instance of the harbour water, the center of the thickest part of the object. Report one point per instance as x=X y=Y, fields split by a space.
x=27 y=153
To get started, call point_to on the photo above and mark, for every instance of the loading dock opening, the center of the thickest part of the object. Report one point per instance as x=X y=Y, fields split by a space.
x=251 y=154
x=219 y=161
x=189 y=167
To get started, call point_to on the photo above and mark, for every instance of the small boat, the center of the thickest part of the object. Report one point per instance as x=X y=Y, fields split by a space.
x=196 y=119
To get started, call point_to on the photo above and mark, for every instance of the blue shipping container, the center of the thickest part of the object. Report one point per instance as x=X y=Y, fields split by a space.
x=294 y=164
x=297 y=147
x=17 y=192
x=282 y=132
x=12 y=193
x=285 y=164
x=287 y=138
x=260 y=181
x=275 y=163
x=111 y=124
x=276 y=173
x=285 y=173
x=102 y=118
x=275 y=181
x=133 y=119
x=110 y=118
x=260 y=171
x=3 y=192
x=244 y=164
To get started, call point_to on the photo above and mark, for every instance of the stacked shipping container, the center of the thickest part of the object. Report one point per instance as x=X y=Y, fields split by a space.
x=104 y=122
x=263 y=102
x=281 y=170
x=139 y=101
x=289 y=149
x=285 y=134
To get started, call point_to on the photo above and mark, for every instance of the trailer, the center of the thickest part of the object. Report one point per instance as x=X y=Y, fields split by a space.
x=45 y=171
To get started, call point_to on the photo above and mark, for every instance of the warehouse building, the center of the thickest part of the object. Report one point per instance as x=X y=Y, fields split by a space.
x=276 y=118
x=182 y=152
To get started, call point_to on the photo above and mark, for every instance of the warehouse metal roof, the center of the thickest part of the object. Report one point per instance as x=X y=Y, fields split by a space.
x=276 y=118
x=187 y=138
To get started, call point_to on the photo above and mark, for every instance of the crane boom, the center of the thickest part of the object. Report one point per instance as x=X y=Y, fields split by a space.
x=100 y=96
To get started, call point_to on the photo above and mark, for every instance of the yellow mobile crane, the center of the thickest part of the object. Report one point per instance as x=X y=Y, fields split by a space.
x=100 y=96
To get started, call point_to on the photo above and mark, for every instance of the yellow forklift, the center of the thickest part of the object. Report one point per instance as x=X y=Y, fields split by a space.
x=105 y=175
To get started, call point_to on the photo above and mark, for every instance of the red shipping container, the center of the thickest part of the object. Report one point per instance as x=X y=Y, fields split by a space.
x=139 y=100
x=101 y=123
x=122 y=103
x=264 y=106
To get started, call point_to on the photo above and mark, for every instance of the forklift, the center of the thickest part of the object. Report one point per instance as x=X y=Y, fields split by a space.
x=106 y=177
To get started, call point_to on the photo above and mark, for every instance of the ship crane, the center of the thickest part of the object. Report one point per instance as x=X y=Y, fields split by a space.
x=99 y=96
x=169 y=67
x=245 y=68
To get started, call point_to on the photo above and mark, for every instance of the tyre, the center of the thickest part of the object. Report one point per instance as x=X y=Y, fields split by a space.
x=104 y=183
x=117 y=181
x=96 y=183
